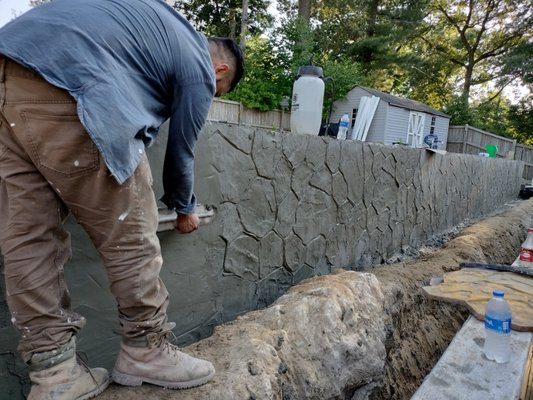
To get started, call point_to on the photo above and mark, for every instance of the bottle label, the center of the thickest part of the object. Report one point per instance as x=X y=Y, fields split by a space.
x=344 y=124
x=497 y=325
x=526 y=255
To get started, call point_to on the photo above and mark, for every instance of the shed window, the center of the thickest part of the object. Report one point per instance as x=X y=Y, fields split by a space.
x=354 y=116
x=432 y=127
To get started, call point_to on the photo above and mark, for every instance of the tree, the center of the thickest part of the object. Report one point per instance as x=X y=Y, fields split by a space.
x=476 y=35
x=519 y=63
x=266 y=80
x=520 y=119
x=304 y=10
x=244 y=24
x=370 y=32
x=219 y=17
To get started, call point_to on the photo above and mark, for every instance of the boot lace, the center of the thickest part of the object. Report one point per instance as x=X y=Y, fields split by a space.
x=81 y=359
x=163 y=339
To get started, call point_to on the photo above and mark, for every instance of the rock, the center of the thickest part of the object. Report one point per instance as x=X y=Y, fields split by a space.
x=324 y=337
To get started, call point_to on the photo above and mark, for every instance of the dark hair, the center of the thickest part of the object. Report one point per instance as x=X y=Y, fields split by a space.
x=230 y=48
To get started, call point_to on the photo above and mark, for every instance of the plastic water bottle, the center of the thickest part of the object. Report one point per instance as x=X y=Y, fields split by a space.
x=498 y=328
x=526 y=251
x=343 y=127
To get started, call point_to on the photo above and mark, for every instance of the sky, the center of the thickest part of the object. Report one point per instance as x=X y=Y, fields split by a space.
x=10 y=8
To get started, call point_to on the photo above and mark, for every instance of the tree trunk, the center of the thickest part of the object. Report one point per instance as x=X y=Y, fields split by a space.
x=367 y=56
x=233 y=25
x=468 y=82
x=304 y=10
x=244 y=24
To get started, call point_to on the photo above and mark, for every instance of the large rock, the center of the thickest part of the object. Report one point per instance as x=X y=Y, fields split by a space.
x=323 y=339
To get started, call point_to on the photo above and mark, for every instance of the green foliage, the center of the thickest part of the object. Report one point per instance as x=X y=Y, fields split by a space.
x=344 y=74
x=272 y=66
x=497 y=116
x=369 y=32
x=223 y=17
x=492 y=116
x=476 y=36
x=519 y=63
x=520 y=119
x=439 y=52
x=460 y=114
x=266 y=80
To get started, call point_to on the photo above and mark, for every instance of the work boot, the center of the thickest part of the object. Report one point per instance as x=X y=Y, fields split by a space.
x=157 y=361
x=58 y=375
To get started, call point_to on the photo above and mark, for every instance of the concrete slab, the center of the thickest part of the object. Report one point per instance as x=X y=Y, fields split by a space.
x=463 y=372
x=473 y=288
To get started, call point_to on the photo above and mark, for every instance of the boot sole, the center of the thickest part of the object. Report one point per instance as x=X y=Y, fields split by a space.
x=132 y=380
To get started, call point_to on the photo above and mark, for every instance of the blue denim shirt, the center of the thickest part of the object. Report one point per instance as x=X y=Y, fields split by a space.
x=130 y=65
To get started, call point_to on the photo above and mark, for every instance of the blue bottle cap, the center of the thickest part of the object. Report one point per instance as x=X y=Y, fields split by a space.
x=498 y=293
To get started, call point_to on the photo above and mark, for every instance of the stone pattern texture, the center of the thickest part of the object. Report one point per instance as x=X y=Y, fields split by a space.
x=348 y=335
x=288 y=207
x=304 y=205
x=293 y=206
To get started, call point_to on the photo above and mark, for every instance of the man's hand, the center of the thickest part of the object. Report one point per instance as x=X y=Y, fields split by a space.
x=186 y=223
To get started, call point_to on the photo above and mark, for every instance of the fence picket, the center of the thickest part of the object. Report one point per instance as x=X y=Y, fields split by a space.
x=461 y=138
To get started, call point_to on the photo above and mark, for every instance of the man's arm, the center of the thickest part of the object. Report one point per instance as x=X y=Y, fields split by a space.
x=189 y=112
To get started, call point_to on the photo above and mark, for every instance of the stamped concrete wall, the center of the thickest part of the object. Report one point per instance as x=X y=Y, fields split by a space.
x=286 y=207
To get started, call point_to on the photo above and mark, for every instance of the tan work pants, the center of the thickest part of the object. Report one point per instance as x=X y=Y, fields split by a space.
x=48 y=167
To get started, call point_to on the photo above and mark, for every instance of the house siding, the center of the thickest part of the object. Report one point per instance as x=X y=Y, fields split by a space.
x=397 y=124
x=353 y=99
x=390 y=122
x=441 y=130
x=345 y=106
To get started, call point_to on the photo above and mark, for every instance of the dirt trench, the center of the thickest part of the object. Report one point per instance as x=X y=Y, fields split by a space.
x=418 y=331
x=421 y=328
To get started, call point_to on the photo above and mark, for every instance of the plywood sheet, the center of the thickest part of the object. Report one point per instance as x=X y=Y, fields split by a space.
x=473 y=288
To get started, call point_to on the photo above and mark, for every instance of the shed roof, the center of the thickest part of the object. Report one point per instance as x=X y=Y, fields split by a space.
x=403 y=102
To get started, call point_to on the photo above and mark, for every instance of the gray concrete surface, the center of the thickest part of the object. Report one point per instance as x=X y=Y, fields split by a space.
x=287 y=207
x=464 y=372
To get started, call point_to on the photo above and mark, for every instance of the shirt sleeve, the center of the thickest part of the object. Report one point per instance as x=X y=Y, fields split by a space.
x=188 y=115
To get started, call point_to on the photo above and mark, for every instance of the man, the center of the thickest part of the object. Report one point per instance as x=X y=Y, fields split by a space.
x=84 y=87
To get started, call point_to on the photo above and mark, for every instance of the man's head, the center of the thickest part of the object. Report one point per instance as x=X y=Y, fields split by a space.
x=228 y=63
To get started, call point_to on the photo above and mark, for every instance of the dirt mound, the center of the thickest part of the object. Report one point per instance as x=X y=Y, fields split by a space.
x=417 y=329
x=422 y=328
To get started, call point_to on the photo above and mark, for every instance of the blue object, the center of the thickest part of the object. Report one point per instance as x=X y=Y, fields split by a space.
x=432 y=141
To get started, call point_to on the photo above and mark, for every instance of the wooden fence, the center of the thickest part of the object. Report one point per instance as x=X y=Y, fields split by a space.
x=525 y=153
x=461 y=138
x=233 y=112
x=469 y=140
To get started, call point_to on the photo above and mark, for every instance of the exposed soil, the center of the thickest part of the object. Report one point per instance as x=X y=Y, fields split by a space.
x=422 y=328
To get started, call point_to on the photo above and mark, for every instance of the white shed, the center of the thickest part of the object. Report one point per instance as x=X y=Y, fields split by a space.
x=384 y=118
